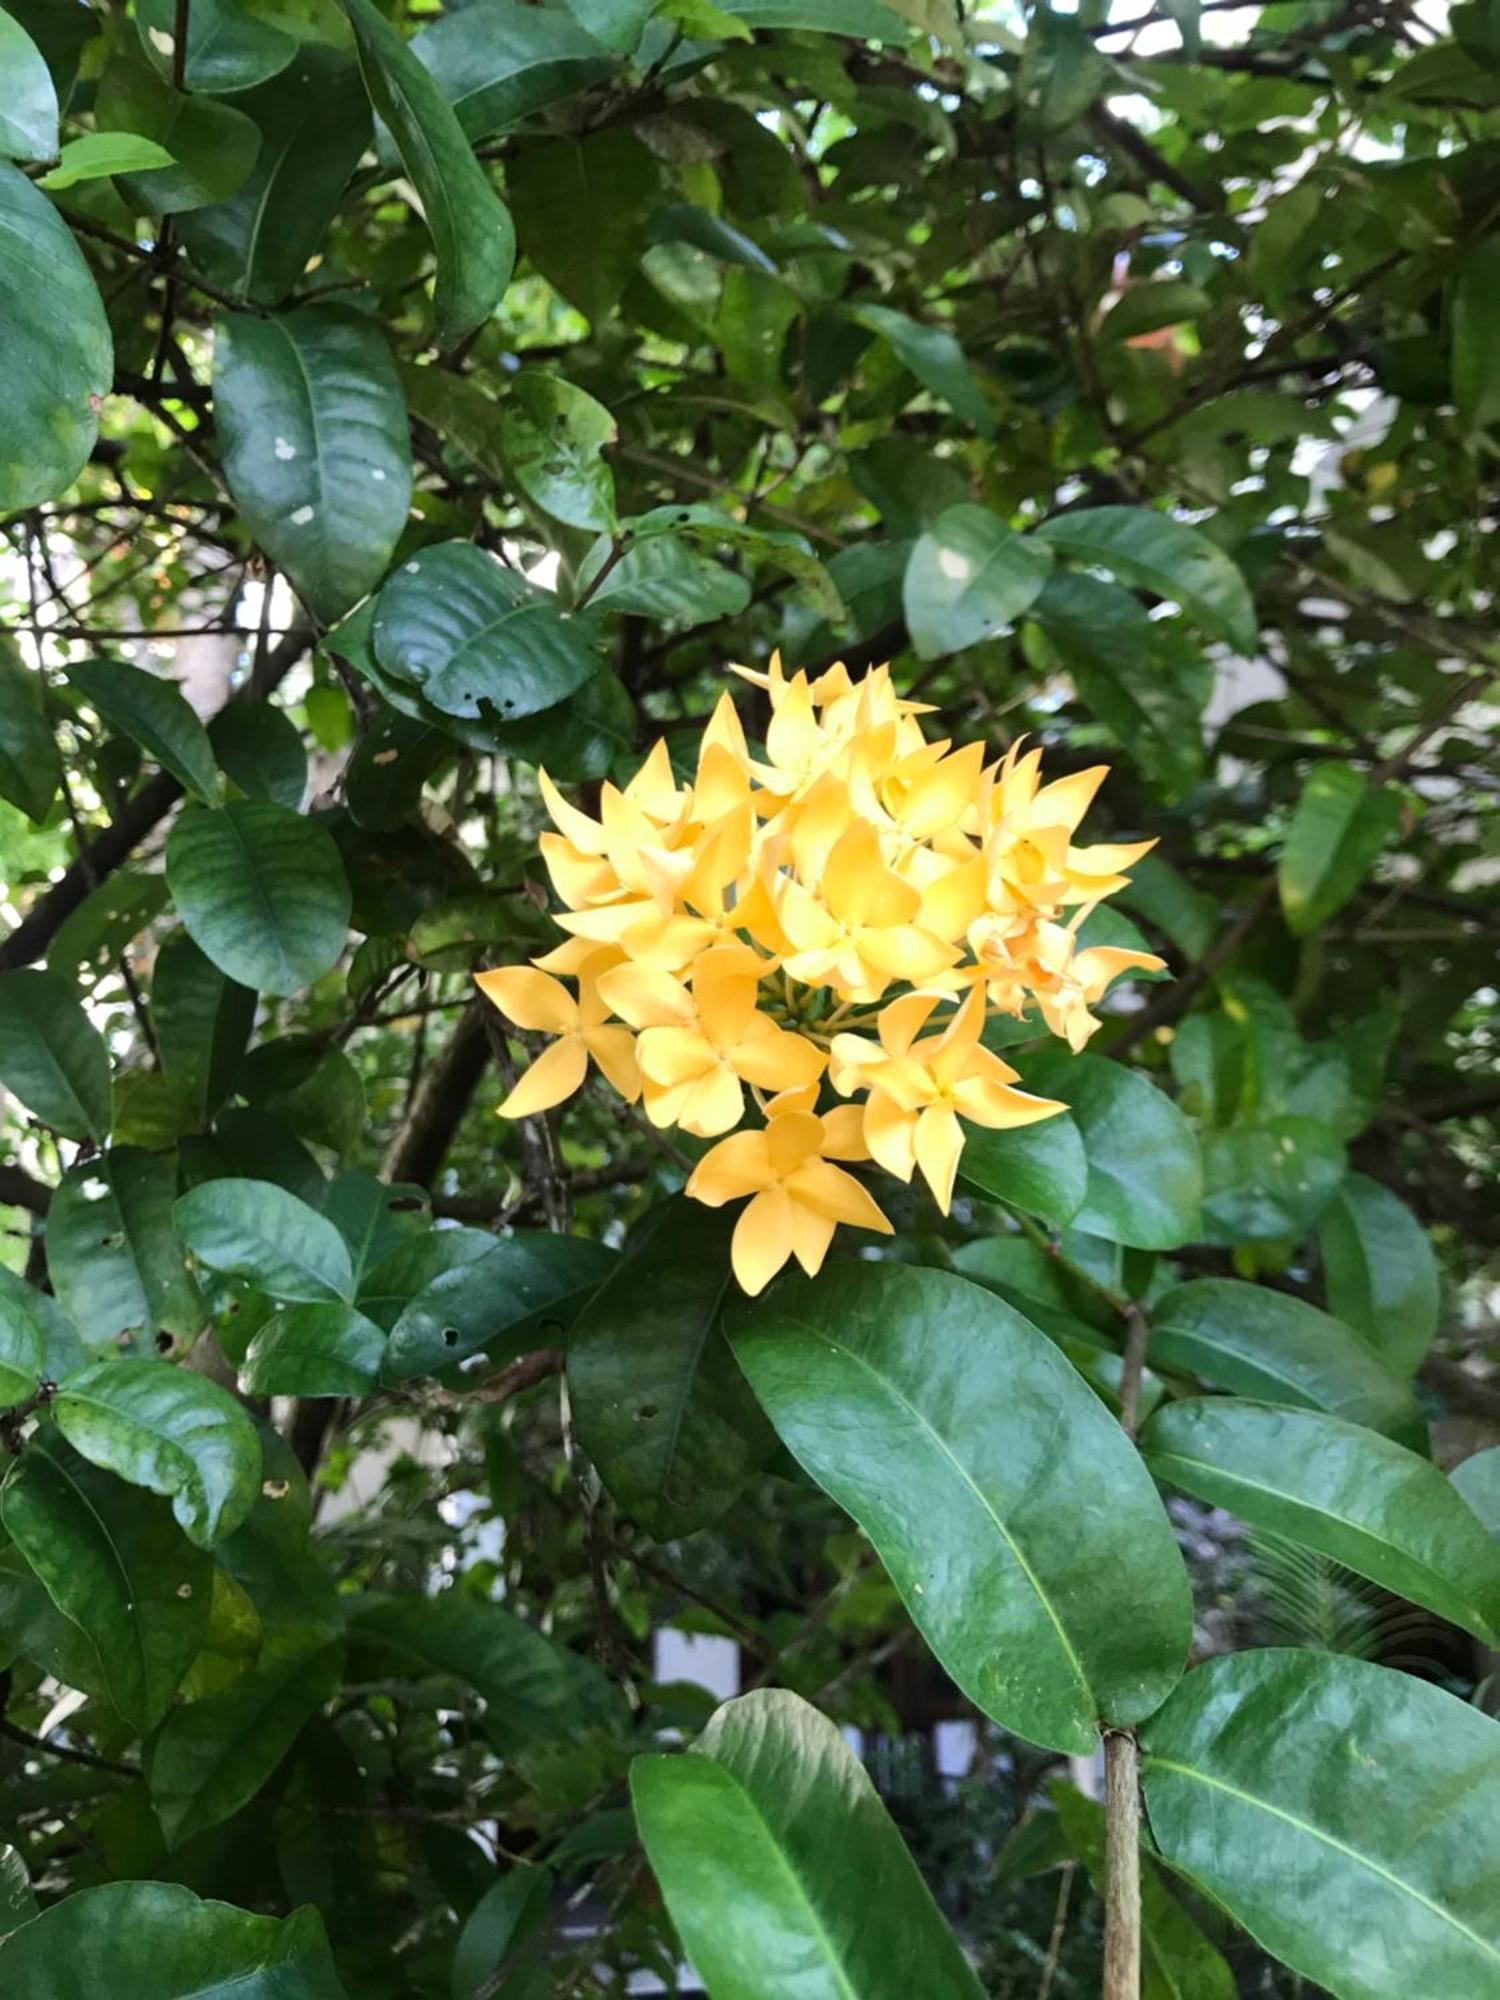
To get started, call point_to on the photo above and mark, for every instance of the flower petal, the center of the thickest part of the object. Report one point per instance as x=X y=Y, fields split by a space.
x=762 y=1240
x=529 y=998
x=713 y=1104
x=737 y=1166
x=939 y=1141
x=614 y=1051
x=828 y=1190
x=555 y=1075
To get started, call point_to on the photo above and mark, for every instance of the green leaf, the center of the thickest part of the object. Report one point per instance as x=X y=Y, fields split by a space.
x=404 y=1273
x=259 y=748
x=526 y=1285
x=1335 y=1487
x=930 y=352
x=115 y=1562
x=509 y=1912
x=257 y=1231
x=312 y=426
x=228 y=48
x=202 y=1021
x=51 y=1056
x=91 y=940
x=1291 y=1785
x=211 y=1757
x=1144 y=1175
x=38 y=1342
x=658 y=1402
x=314 y=124
x=1339 y=827
x=611 y=178
x=861 y=20
x=662 y=577
x=969 y=578
x=390 y=765
x=470 y=226
x=17 y=1904
x=30 y=761
x=59 y=357
x=28 y=123
x=1151 y=551
x=468 y=635
x=1268 y=1181
x=533 y=1689
x=262 y=891
x=1476 y=328
x=553 y=435
x=1379 y=1271
x=1477 y=1478
x=313 y=1350
x=1022 y=1531
x=1265 y=1344
x=213 y=147
x=314 y=1090
x=499 y=61
x=376 y=1218
x=97 y=155
x=154 y=714
x=782 y=1869
x=1041 y=1168
x=171 y=1430
x=158 y=1938
x=114 y=1255
x=1145 y=308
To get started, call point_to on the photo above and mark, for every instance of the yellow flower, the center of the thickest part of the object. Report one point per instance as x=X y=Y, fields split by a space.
x=1067 y=982
x=919 y=1088
x=798 y=1196
x=533 y=1000
x=857 y=932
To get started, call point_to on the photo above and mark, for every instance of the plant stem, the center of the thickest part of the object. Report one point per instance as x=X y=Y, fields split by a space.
x=1122 y=1869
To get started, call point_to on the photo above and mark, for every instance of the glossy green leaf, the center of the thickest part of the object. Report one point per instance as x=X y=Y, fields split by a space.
x=608 y=176
x=51 y=1056
x=1339 y=827
x=115 y=1562
x=402 y=1274
x=228 y=46
x=312 y=426
x=1333 y=1486
x=1476 y=324
x=259 y=748
x=390 y=767
x=1144 y=1174
x=171 y=1430
x=38 y=1342
x=553 y=435
x=782 y=1869
x=1477 y=1478
x=28 y=122
x=468 y=635
x=1023 y=1533
x=314 y=1090
x=156 y=715
x=313 y=1350
x=257 y=1231
x=212 y=1756
x=1041 y=1168
x=1265 y=1344
x=30 y=762
x=526 y=1285
x=1269 y=1180
x=91 y=941
x=213 y=147
x=662 y=577
x=506 y=61
x=376 y=1218
x=1348 y=1816
x=1379 y=1272
x=658 y=1402
x=262 y=891
x=59 y=357
x=17 y=1904
x=509 y=1912
x=314 y=124
x=202 y=1021
x=862 y=20
x=97 y=155
x=114 y=1255
x=469 y=224
x=969 y=578
x=1152 y=551
x=934 y=356
x=158 y=1938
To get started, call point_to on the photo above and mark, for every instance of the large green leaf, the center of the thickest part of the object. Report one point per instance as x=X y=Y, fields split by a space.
x=1379 y=1271
x=1339 y=827
x=171 y=1430
x=510 y=1911
x=314 y=123
x=1476 y=323
x=259 y=1232
x=113 y=1252
x=17 y=1904
x=115 y=1562
x=968 y=578
x=468 y=635
x=99 y=155
x=658 y=1402
x=1265 y=1344
x=38 y=1342
x=934 y=356
x=662 y=577
x=313 y=1350
x=155 y=714
x=1144 y=1174
x=51 y=1056
x=1041 y=1168
x=59 y=357
x=134 y=1939
x=30 y=761
x=523 y=1291
x=1012 y=1514
x=1154 y=552
x=862 y=20
x=608 y=176
x=28 y=121
x=202 y=1021
x=1346 y=1815
x=229 y=47
x=532 y=1688
x=783 y=1871
x=1268 y=1180
x=262 y=891
x=213 y=146
x=212 y=1756
x=1477 y=1478
x=499 y=61
x=553 y=435
x=312 y=425
x=1338 y=1488
x=92 y=939
x=469 y=224
x=260 y=749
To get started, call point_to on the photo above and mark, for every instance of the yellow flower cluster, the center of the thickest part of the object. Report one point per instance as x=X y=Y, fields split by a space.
x=845 y=911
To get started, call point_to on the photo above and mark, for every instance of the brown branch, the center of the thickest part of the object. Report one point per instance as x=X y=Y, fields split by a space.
x=442 y=1099
x=19 y=1190
x=13 y=1733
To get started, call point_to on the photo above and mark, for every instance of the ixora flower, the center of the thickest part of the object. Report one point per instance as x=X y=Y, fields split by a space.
x=836 y=919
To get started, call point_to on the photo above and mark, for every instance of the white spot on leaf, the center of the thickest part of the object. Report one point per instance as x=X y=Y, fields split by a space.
x=953 y=565
x=300 y=517
x=285 y=450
